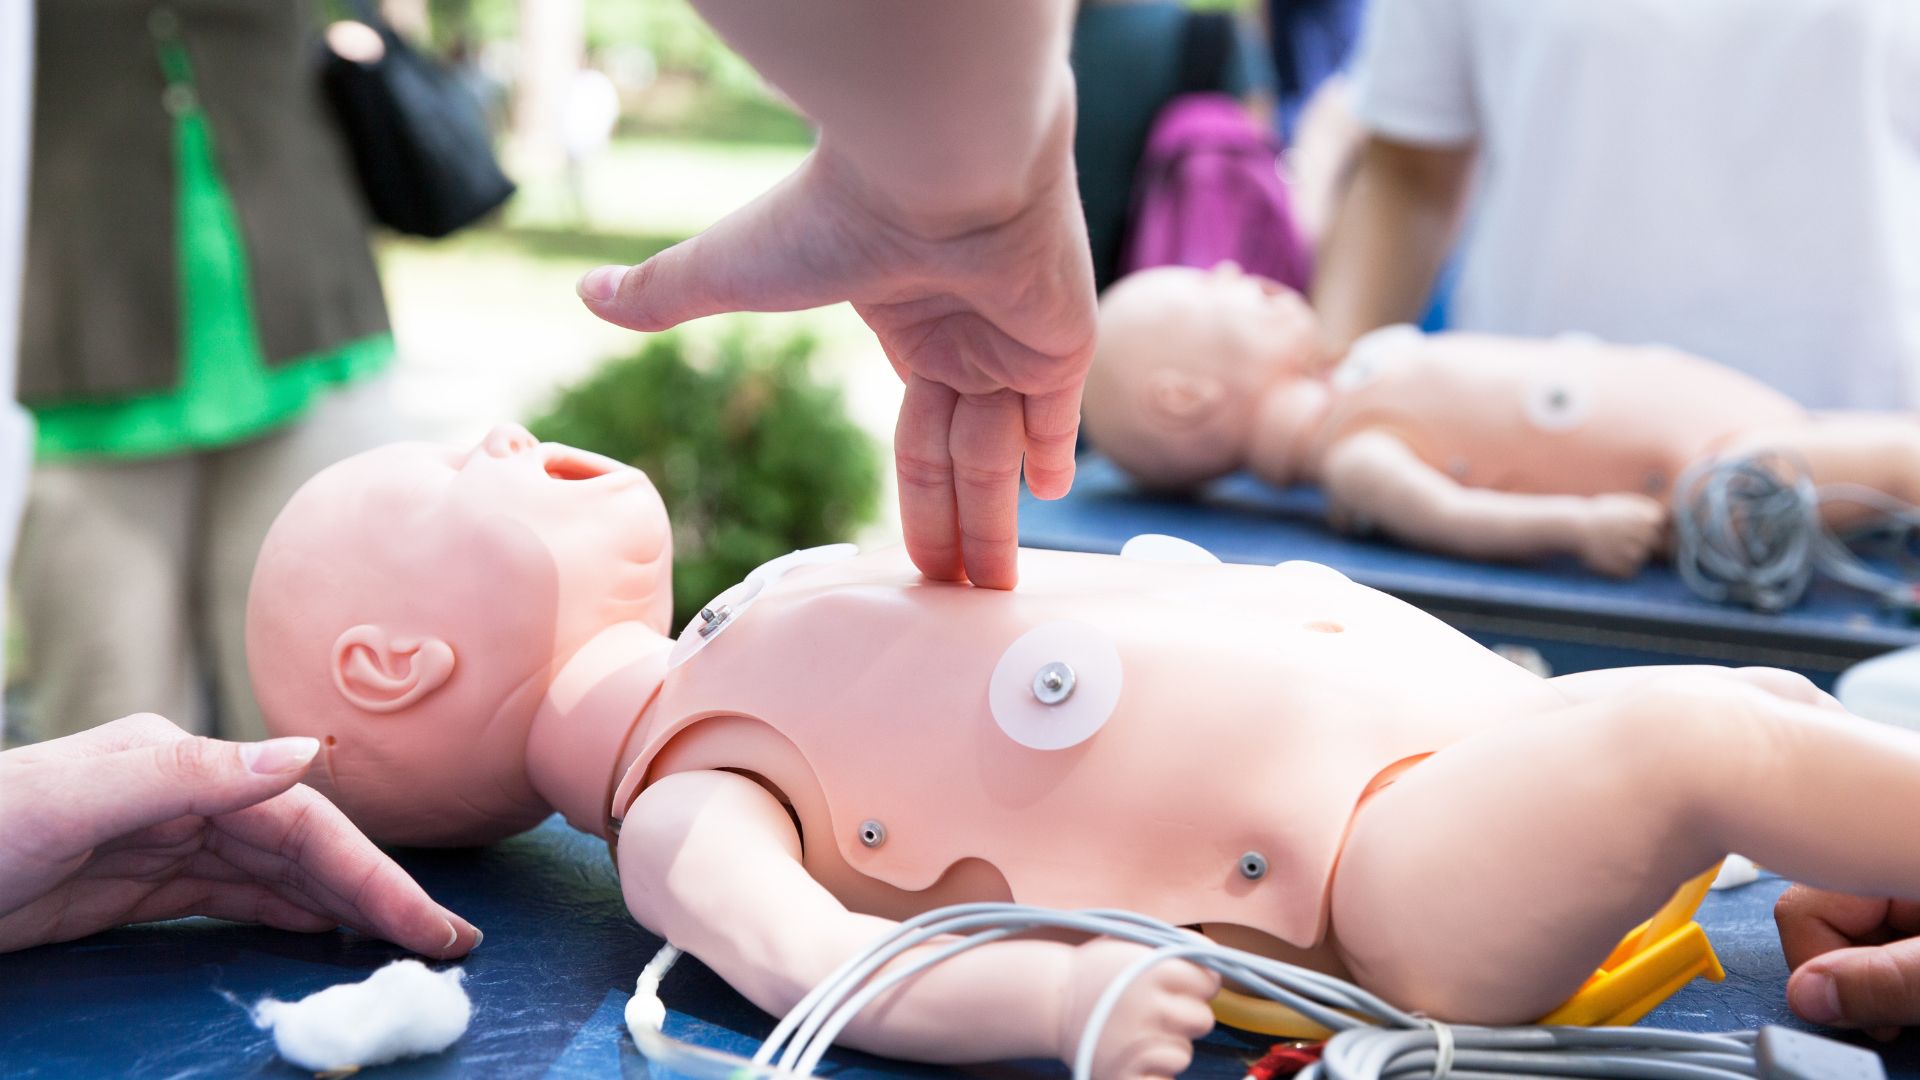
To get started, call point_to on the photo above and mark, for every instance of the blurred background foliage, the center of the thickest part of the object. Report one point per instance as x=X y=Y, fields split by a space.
x=675 y=74
x=753 y=454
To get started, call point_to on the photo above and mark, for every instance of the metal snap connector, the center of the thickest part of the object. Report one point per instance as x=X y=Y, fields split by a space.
x=1053 y=684
x=1253 y=866
x=713 y=618
x=872 y=833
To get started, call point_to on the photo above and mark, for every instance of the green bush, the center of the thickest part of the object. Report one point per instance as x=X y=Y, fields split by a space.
x=753 y=455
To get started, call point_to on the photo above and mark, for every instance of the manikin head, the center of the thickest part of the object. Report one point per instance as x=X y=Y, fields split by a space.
x=1197 y=373
x=412 y=604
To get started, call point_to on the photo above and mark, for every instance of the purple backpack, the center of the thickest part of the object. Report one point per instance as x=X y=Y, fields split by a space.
x=1208 y=187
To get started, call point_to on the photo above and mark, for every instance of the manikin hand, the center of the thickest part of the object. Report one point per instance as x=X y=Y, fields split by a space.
x=1621 y=533
x=136 y=821
x=987 y=317
x=1151 y=1030
x=1855 y=959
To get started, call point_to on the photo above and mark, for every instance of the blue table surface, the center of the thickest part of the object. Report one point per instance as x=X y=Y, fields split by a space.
x=1241 y=519
x=549 y=985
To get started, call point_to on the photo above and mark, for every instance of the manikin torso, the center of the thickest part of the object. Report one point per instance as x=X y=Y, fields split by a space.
x=1568 y=417
x=868 y=699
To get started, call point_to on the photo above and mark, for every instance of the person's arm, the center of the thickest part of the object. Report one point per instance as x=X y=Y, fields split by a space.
x=1373 y=478
x=711 y=861
x=1414 y=91
x=941 y=203
x=1390 y=234
x=1326 y=146
x=943 y=108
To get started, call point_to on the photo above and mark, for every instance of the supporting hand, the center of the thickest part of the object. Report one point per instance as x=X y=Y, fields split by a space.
x=1855 y=959
x=136 y=821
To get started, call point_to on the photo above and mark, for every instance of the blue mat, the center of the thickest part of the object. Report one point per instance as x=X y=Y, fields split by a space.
x=549 y=985
x=1651 y=618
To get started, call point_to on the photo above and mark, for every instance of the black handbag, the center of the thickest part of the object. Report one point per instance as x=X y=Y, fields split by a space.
x=419 y=141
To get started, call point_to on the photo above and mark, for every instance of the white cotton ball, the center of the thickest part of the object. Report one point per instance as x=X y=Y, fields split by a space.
x=1738 y=870
x=403 y=1010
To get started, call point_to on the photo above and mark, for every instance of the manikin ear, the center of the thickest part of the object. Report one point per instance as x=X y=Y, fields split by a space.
x=382 y=673
x=1182 y=397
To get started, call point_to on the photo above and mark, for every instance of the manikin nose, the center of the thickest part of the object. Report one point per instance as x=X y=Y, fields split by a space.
x=507 y=440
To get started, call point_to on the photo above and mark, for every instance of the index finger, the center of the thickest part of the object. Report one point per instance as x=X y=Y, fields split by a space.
x=301 y=840
x=924 y=466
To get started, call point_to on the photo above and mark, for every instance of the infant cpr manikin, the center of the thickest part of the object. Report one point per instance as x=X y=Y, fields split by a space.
x=1478 y=446
x=1290 y=761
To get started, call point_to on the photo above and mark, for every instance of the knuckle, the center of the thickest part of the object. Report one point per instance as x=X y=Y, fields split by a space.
x=195 y=759
x=922 y=471
x=1882 y=990
x=1000 y=473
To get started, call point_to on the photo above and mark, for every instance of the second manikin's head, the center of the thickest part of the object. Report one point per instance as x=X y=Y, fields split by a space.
x=411 y=605
x=1197 y=373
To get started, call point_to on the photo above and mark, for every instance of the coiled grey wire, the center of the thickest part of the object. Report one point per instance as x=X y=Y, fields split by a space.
x=1748 y=530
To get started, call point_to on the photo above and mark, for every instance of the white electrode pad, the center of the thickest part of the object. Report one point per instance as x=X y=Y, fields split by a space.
x=1161 y=548
x=723 y=610
x=1055 y=686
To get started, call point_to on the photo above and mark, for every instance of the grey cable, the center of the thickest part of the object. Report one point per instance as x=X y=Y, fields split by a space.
x=1373 y=1040
x=1749 y=530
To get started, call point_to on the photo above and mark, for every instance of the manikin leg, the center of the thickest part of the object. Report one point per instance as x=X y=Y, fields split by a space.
x=1877 y=450
x=1487 y=882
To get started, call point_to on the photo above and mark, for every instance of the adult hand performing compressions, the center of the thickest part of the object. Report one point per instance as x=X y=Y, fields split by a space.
x=136 y=821
x=941 y=203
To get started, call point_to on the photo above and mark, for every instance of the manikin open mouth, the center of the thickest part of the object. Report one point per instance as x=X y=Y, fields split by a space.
x=570 y=463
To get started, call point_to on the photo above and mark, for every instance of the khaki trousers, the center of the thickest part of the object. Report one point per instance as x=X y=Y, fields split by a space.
x=131 y=581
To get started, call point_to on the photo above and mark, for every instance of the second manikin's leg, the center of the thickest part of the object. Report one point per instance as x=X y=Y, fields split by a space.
x=1876 y=450
x=1486 y=883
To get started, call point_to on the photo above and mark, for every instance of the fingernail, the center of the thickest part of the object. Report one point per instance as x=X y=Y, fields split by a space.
x=600 y=284
x=279 y=755
x=479 y=936
x=1817 y=998
x=453 y=935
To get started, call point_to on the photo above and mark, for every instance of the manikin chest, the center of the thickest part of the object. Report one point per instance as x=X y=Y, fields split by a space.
x=1571 y=416
x=1185 y=741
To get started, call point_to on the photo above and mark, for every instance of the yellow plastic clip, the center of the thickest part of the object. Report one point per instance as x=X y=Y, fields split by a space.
x=1649 y=965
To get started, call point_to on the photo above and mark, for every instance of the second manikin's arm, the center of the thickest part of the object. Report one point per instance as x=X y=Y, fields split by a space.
x=1373 y=478
x=712 y=861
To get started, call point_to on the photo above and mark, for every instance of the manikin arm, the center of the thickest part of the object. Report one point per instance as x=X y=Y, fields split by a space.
x=711 y=861
x=1609 y=683
x=1374 y=478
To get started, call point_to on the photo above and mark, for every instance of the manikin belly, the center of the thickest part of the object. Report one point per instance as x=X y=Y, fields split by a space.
x=1555 y=418
x=1242 y=714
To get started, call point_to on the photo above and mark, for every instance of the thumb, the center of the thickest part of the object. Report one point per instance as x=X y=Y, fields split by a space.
x=780 y=252
x=1867 y=986
x=123 y=792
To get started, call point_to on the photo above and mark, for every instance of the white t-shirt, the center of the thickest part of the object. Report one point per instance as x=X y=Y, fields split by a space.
x=1738 y=178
